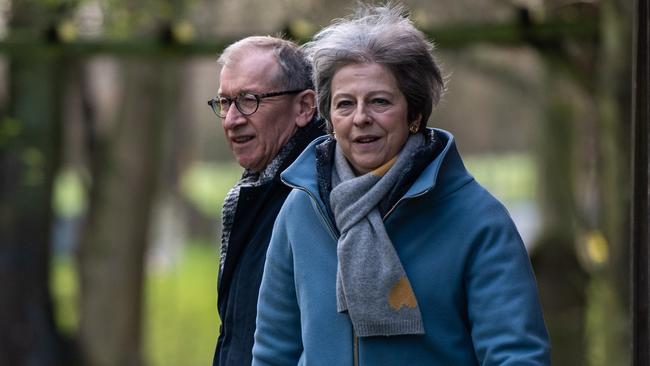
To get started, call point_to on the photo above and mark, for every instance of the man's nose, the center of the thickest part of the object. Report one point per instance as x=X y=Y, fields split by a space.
x=233 y=118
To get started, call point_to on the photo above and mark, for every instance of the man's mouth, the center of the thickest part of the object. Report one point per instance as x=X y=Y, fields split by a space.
x=242 y=139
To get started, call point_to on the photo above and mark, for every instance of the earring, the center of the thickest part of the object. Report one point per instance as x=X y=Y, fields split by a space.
x=333 y=134
x=414 y=127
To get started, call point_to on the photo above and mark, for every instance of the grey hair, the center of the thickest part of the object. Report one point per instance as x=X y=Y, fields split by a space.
x=296 y=69
x=378 y=34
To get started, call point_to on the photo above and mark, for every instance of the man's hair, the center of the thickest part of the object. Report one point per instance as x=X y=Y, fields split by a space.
x=296 y=69
x=382 y=35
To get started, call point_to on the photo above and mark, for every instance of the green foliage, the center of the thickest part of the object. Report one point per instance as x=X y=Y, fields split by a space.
x=10 y=128
x=605 y=348
x=69 y=197
x=180 y=312
x=126 y=18
x=34 y=161
x=64 y=284
x=205 y=185
x=54 y=4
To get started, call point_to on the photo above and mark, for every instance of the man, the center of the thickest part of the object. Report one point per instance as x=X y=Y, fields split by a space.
x=267 y=107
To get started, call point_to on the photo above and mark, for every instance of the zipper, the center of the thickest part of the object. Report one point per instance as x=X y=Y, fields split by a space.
x=355 y=349
x=355 y=339
x=404 y=199
x=323 y=215
x=332 y=232
x=330 y=229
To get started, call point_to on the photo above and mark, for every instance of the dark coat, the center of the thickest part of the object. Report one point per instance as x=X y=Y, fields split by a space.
x=239 y=282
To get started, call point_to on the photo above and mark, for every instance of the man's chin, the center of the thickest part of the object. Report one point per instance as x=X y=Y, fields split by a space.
x=248 y=164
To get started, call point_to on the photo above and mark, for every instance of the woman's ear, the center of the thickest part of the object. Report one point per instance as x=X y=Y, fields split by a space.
x=305 y=107
x=417 y=121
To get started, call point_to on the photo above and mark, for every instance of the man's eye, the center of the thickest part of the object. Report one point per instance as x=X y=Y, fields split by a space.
x=224 y=102
x=247 y=98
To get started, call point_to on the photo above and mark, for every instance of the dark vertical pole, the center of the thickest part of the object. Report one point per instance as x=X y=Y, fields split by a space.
x=641 y=191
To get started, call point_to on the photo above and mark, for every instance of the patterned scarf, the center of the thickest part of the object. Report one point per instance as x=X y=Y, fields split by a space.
x=249 y=179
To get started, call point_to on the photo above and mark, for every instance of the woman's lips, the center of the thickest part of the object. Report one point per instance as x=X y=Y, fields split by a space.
x=365 y=139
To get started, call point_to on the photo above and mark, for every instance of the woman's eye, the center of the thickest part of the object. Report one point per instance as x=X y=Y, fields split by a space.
x=380 y=101
x=343 y=104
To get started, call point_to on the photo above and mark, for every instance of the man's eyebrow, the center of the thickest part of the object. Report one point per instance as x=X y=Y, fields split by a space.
x=241 y=92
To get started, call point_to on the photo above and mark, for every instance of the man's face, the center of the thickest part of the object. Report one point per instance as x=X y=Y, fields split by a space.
x=256 y=139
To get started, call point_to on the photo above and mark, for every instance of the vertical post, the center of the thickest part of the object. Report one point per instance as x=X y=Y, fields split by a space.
x=641 y=191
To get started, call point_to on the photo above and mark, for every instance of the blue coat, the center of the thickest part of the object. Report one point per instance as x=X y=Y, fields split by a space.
x=463 y=256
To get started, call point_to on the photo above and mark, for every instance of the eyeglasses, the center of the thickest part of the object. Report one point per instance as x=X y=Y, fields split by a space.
x=246 y=103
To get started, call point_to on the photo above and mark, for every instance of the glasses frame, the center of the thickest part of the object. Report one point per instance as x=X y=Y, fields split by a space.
x=214 y=102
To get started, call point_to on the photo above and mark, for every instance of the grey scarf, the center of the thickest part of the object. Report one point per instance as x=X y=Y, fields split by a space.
x=371 y=284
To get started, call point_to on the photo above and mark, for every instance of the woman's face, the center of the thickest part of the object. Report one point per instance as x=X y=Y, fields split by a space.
x=369 y=115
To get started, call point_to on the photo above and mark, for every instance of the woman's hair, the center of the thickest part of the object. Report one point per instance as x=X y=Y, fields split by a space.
x=383 y=35
x=296 y=69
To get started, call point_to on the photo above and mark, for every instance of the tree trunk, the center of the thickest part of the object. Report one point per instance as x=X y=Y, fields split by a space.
x=561 y=279
x=125 y=171
x=608 y=323
x=29 y=158
x=641 y=191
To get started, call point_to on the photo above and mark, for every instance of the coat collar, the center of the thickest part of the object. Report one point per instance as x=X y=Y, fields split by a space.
x=445 y=174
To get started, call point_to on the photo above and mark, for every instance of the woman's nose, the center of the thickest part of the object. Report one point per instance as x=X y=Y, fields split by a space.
x=361 y=115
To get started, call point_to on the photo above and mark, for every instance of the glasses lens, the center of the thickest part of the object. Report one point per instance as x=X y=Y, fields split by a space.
x=247 y=104
x=213 y=105
x=221 y=106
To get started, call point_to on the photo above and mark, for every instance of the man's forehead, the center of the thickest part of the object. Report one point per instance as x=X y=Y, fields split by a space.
x=251 y=69
x=252 y=58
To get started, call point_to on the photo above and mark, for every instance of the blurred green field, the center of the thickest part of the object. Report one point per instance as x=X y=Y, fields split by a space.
x=181 y=322
x=180 y=316
x=180 y=312
x=510 y=177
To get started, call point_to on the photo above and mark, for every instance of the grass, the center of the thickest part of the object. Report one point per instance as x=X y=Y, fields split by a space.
x=64 y=285
x=181 y=322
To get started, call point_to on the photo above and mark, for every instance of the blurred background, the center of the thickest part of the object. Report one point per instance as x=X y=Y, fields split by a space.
x=113 y=167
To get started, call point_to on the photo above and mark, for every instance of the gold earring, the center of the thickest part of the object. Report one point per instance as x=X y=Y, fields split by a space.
x=414 y=127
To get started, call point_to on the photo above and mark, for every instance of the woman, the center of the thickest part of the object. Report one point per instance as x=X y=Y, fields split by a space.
x=387 y=252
